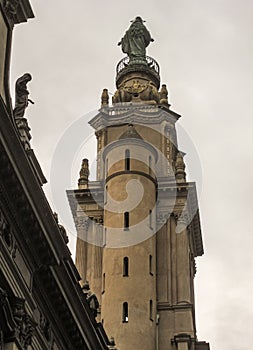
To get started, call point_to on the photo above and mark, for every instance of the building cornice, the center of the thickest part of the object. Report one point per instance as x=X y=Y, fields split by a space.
x=127 y=113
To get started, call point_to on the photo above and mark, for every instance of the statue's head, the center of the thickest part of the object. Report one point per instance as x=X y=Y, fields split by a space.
x=138 y=19
x=27 y=76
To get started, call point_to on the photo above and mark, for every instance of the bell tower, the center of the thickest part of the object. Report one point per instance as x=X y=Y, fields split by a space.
x=138 y=224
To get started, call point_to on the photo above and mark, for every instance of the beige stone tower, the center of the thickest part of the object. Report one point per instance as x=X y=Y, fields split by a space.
x=138 y=224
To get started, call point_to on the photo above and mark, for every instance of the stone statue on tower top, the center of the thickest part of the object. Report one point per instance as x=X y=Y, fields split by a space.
x=135 y=40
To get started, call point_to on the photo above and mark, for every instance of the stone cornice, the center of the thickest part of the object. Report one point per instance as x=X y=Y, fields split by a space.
x=131 y=172
x=132 y=113
x=88 y=196
x=174 y=307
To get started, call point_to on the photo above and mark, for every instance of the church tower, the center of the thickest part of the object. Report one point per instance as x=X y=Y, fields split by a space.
x=138 y=224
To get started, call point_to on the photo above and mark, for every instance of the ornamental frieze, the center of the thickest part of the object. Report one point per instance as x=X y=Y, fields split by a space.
x=17 y=323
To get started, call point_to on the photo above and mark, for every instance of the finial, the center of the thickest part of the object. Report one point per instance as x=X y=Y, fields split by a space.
x=84 y=174
x=104 y=98
x=180 y=167
x=135 y=41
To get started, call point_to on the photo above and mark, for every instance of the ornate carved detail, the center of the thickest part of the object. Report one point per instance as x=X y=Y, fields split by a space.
x=104 y=98
x=182 y=220
x=162 y=217
x=137 y=91
x=180 y=167
x=45 y=327
x=181 y=217
x=24 y=131
x=82 y=222
x=163 y=95
x=25 y=324
x=18 y=323
x=98 y=219
x=135 y=88
x=10 y=8
x=3 y=297
x=6 y=232
x=14 y=251
x=169 y=147
x=98 y=133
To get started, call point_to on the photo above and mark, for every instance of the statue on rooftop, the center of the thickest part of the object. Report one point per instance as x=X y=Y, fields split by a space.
x=61 y=229
x=22 y=93
x=135 y=40
x=91 y=299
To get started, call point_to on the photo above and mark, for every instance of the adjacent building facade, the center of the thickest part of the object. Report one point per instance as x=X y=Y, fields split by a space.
x=42 y=305
x=138 y=224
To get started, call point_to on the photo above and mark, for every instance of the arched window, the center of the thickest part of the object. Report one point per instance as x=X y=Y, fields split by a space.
x=127 y=159
x=125 y=312
x=126 y=220
x=125 y=266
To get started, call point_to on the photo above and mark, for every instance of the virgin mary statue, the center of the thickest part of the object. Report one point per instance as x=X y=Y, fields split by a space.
x=135 y=40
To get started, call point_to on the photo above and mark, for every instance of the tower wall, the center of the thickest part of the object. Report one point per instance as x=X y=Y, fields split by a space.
x=174 y=285
x=137 y=290
x=129 y=268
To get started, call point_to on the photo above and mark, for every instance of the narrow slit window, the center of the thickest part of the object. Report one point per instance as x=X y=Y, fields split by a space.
x=125 y=313
x=127 y=159
x=150 y=219
x=106 y=167
x=151 y=310
x=151 y=265
x=125 y=266
x=106 y=189
x=103 y=283
x=126 y=220
x=104 y=236
x=149 y=165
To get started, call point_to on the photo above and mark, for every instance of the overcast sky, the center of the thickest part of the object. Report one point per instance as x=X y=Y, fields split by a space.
x=204 y=49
